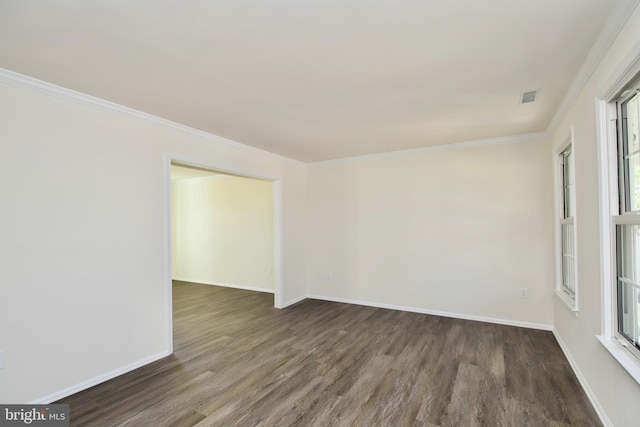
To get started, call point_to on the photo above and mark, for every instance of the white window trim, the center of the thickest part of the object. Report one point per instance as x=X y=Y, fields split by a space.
x=608 y=192
x=570 y=302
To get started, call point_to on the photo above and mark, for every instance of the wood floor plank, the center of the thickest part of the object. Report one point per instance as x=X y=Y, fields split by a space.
x=388 y=400
x=438 y=396
x=239 y=362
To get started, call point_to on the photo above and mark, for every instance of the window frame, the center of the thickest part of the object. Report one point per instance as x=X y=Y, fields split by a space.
x=625 y=216
x=613 y=213
x=564 y=220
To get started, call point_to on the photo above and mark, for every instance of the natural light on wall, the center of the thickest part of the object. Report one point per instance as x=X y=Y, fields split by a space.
x=222 y=230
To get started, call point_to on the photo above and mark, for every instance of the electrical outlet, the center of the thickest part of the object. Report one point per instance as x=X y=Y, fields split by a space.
x=524 y=293
x=329 y=276
x=1 y=359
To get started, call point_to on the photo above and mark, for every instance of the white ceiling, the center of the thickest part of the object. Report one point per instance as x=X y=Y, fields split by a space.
x=314 y=79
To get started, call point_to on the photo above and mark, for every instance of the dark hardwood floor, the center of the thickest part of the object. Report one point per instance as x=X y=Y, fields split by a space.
x=240 y=362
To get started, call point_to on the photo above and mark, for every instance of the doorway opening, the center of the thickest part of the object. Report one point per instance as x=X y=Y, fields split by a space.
x=223 y=229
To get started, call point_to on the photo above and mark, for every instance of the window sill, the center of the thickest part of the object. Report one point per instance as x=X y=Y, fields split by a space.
x=628 y=361
x=567 y=300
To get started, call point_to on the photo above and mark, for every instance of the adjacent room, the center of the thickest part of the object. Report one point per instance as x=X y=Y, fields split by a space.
x=321 y=213
x=221 y=229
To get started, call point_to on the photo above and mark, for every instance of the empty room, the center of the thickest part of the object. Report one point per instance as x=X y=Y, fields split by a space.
x=448 y=226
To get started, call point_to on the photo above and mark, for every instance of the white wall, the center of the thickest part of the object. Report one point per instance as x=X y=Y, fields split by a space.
x=222 y=231
x=616 y=393
x=84 y=236
x=457 y=232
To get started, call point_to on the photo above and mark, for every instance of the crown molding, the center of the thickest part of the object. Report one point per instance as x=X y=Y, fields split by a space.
x=614 y=24
x=50 y=89
x=623 y=75
x=513 y=139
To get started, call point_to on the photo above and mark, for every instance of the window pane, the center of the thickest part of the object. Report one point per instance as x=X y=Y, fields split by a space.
x=567 y=182
x=628 y=311
x=634 y=182
x=631 y=133
x=568 y=260
x=633 y=144
x=628 y=257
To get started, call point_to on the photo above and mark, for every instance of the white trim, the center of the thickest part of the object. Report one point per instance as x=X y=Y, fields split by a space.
x=98 y=380
x=571 y=303
x=168 y=255
x=507 y=322
x=514 y=139
x=583 y=381
x=624 y=74
x=626 y=219
x=622 y=355
x=614 y=24
x=278 y=246
x=567 y=300
x=181 y=160
x=606 y=114
x=557 y=229
x=21 y=80
x=293 y=301
x=608 y=199
x=225 y=285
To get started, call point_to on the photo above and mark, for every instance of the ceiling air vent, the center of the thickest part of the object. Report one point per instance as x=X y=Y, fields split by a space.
x=529 y=96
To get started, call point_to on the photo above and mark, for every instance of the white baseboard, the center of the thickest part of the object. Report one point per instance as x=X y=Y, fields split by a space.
x=226 y=285
x=294 y=301
x=98 y=380
x=507 y=322
x=583 y=382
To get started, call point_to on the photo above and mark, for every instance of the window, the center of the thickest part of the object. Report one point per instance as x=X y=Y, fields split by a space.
x=619 y=155
x=566 y=287
x=627 y=222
